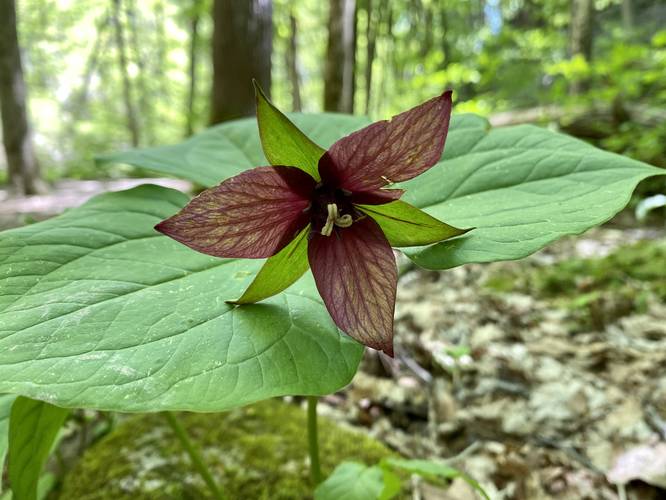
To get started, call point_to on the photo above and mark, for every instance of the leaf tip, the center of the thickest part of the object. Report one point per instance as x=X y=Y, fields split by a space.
x=258 y=91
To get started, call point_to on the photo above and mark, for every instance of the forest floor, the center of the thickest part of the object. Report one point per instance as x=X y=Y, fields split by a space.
x=542 y=378
x=67 y=193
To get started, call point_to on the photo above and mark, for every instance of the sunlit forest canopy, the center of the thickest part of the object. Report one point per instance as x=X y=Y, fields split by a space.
x=596 y=67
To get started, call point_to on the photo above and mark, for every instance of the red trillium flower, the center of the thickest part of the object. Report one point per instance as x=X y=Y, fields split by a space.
x=330 y=210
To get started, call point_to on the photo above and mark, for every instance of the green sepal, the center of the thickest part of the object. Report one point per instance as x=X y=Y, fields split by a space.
x=33 y=428
x=279 y=271
x=405 y=225
x=283 y=143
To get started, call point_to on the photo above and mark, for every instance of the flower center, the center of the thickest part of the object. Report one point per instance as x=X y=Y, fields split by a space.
x=335 y=219
x=331 y=208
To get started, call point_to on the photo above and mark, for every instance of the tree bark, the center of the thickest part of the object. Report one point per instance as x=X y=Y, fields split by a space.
x=582 y=21
x=242 y=46
x=23 y=168
x=194 y=48
x=339 y=72
x=130 y=110
x=292 y=64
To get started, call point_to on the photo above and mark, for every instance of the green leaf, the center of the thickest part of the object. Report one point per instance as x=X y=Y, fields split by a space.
x=430 y=469
x=405 y=225
x=279 y=271
x=33 y=428
x=6 y=401
x=520 y=188
x=355 y=481
x=98 y=310
x=44 y=486
x=392 y=484
x=283 y=143
x=227 y=149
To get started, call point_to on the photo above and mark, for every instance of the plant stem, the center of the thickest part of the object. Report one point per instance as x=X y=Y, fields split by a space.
x=195 y=455
x=313 y=440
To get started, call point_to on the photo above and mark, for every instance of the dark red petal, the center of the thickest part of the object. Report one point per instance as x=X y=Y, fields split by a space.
x=356 y=275
x=389 y=151
x=377 y=197
x=252 y=215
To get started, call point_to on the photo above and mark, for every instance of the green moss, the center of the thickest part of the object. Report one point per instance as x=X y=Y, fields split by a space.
x=256 y=452
x=605 y=288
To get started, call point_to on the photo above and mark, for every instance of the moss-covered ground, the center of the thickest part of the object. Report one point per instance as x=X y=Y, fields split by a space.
x=258 y=452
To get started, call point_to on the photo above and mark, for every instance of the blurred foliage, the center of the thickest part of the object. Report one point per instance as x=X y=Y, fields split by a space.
x=498 y=55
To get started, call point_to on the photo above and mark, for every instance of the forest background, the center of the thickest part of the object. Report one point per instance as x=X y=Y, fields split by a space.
x=107 y=75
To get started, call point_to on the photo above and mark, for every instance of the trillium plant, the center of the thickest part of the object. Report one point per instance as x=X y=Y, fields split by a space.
x=336 y=206
x=98 y=310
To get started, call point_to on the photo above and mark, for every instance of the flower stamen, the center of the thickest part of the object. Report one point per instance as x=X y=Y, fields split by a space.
x=334 y=219
x=330 y=220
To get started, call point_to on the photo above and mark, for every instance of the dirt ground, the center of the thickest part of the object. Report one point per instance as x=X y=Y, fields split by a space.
x=535 y=397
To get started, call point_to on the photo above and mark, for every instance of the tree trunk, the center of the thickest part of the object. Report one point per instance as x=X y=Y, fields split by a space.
x=242 y=46
x=388 y=54
x=582 y=21
x=145 y=115
x=78 y=101
x=159 y=63
x=292 y=65
x=374 y=23
x=428 y=22
x=194 y=47
x=446 y=46
x=22 y=163
x=132 y=123
x=339 y=82
x=627 y=15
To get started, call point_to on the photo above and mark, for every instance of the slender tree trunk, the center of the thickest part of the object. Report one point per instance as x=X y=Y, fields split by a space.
x=370 y=49
x=24 y=175
x=627 y=15
x=582 y=21
x=144 y=117
x=130 y=110
x=242 y=46
x=78 y=101
x=161 y=49
x=292 y=65
x=194 y=48
x=428 y=20
x=340 y=57
x=446 y=45
x=388 y=55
